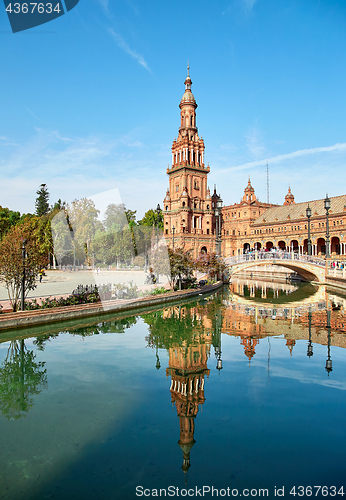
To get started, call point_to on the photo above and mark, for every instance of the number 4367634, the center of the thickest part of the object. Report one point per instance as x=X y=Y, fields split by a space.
x=32 y=8
x=314 y=491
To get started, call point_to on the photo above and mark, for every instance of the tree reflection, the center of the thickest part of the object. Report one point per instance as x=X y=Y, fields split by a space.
x=21 y=377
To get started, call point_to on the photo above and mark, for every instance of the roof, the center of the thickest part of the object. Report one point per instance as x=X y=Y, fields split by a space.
x=188 y=97
x=297 y=211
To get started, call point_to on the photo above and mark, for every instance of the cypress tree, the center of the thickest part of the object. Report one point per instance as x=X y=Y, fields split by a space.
x=41 y=203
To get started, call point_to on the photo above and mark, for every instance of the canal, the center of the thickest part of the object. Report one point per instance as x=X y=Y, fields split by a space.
x=243 y=391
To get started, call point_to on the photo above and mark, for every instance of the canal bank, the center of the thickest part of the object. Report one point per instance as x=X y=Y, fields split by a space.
x=22 y=319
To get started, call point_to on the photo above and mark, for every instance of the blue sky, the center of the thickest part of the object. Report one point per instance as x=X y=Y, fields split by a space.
x=90 y=100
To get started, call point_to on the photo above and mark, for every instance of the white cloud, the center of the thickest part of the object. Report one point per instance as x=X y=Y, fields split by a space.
x=248 y=4
x=104 y=5
x=255 y=144
x=78 y=167
x=341 y=147
x=123 y=45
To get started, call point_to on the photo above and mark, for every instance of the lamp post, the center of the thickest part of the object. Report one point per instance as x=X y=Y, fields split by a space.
x=217 y=342
x=310 y=350
x=218 y=225
x=327 y=208
x=158 y=211
x=308 y=214
x=329 y=367
x=145 y=254
x=23 y=275
x=173 y=230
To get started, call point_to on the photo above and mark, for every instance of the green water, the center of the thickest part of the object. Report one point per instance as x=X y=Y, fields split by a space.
x=94 y=411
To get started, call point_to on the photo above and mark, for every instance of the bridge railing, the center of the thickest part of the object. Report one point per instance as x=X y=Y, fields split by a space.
x=284 y=256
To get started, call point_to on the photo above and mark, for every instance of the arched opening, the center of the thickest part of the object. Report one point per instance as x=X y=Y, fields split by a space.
x=282 y=245
x=183 y=203
x=335 y=245
x=246 y=248
x=258 y=246
x=191 y=121
x=294 y=245
x=204 y=250
x=305 y=246
x=321 y=246
x=269 y=245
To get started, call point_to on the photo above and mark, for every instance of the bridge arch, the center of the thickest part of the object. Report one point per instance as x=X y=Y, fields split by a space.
x=310 y=268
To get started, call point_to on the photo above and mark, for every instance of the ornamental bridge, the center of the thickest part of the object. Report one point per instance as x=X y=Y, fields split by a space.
x=309 y=267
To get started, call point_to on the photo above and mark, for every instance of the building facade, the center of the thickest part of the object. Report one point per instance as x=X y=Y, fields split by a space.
x=191 y=220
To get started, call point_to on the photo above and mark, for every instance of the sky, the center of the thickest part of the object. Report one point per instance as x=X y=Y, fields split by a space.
x=90 y=101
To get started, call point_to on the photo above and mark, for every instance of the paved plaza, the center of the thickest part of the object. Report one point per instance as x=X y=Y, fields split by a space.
x=57 y=283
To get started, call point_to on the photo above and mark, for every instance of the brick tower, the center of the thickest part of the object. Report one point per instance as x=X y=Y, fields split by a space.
x=188 y=205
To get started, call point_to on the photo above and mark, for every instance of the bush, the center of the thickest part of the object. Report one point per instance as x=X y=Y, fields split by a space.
x=159 y=290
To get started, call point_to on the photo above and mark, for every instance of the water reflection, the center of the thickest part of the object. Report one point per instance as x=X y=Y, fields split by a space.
x=20 y=379
x=214 y=353
x=187 y=334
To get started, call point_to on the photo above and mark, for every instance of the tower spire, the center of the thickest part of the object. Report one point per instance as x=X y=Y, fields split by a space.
x=188 y=67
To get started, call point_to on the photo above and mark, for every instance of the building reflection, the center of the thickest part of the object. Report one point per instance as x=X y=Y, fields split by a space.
x=188 y=369
x=188 y=333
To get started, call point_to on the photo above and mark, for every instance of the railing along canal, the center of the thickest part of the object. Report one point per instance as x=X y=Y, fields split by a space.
x=260 y=256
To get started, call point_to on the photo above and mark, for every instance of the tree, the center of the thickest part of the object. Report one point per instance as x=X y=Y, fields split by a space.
x=83 y=220
x=8 y=219
x=212 y=265
x=41 y=203
x=11 y=259
x=115 y=217
x=181 y=266
x=150 y=219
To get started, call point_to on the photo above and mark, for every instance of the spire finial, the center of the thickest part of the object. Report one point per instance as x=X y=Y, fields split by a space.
x=188 y=67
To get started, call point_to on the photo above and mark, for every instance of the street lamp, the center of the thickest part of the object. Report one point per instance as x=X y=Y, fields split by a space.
x=158 y=211
x=327 y=208
x=329 y=367
x=217 y=343
x=310 y=349
x=218 y=225
x=173 y=230
x=23 y=275
x=145 y=254
x=308 y=214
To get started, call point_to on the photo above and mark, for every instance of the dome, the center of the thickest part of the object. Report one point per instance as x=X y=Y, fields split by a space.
x=188 y=97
